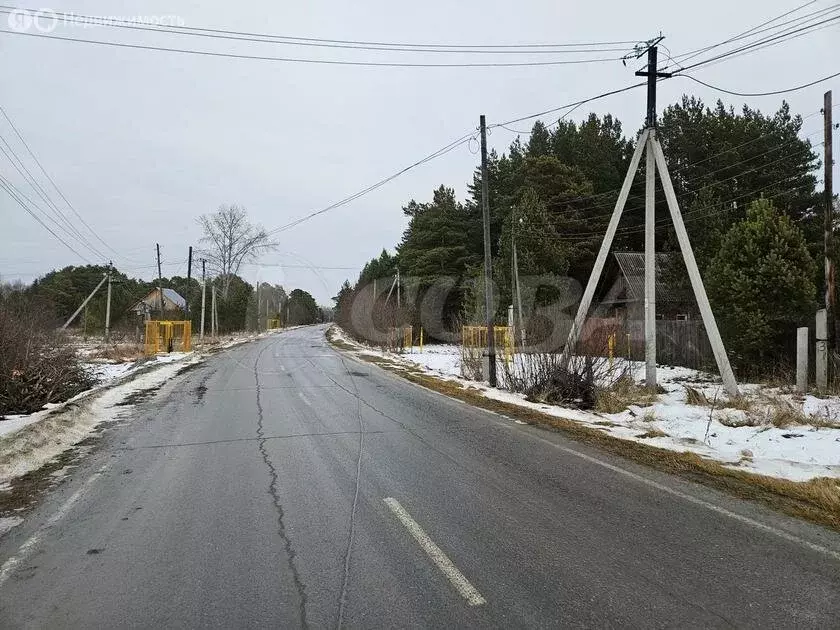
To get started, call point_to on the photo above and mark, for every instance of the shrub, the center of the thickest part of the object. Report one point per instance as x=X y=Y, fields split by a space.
x=37 y=366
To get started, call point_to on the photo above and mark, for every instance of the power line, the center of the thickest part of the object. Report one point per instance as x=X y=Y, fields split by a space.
x=67 y=227
x=751 y=94
x=774 y=40
x=223 y=34
x=109 y=21
x=748 y=33
x=335 y=62
x=6 y=185
x=54 y=185
x=380 y=183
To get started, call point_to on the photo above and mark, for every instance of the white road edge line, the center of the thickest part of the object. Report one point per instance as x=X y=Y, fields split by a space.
x=23 y=551
x=696 y=501
x=746 y=520
x=455 y=577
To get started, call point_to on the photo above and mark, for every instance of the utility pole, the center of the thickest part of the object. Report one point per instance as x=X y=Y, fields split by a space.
x=488 y=263
x=648 y=142
x=84 y=304
x=518 y=294
x=214 y=324
x=398 y=288
x=203 y=299
x=650 y=216
x=108 y=307
x=830 y=298
x=189 y=281
x=160 y=282
x=258 y=305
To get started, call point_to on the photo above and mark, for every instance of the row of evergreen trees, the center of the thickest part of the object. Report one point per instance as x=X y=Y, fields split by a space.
x=59 y=293
x=745 y=181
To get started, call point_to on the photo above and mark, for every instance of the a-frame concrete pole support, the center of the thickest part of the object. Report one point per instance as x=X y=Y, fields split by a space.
x=709 y=322
x=600 y=260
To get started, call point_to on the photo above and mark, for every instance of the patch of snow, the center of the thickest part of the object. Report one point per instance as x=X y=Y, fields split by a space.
x=28 y=442
x=7 y=523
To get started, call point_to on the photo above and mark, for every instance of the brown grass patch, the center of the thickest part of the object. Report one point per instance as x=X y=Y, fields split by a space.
x=652 y=433
x=621 y=395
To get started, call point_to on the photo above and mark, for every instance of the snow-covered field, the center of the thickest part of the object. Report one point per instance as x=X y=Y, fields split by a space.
x=798 y=452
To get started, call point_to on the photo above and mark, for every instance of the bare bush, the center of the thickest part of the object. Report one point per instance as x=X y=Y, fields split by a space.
x=37 y=366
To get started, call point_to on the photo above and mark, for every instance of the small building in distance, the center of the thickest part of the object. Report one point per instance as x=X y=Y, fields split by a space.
x=625 y=297
x=173 y=302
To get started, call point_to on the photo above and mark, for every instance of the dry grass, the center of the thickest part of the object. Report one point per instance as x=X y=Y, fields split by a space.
x=652 y=433
x=695 y=397
x=817 y=500
x=622 y=394
x=128 y=351
x=740 y=402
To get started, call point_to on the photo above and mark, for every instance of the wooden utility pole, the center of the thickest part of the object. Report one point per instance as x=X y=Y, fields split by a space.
x=108 y=308
x=203 y=299
x=160 y=282
x=488 y=262
x=830 y=298
x=189 y=282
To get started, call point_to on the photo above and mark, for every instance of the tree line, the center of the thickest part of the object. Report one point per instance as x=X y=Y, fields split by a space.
x=746 y=185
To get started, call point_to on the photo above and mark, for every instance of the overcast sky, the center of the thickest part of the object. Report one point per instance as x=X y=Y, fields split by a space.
x=143 y=142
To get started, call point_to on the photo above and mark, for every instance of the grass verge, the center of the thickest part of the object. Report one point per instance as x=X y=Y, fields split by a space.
x=817 y=500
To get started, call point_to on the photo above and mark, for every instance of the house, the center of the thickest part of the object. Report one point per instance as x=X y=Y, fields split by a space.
x=150 y=305
x=625 y=297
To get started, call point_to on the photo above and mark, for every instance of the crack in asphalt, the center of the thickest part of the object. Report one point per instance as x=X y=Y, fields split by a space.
x=342 y=602
x=272 y=490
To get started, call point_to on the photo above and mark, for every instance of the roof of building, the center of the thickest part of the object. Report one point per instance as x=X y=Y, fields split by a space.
x=169 y=294
x=173 y=296
x=632 y=266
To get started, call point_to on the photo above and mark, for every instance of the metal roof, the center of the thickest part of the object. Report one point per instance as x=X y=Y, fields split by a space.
x=632 y=266
x=173 y=296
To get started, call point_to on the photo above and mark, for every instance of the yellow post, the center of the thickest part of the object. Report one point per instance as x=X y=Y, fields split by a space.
x=421 y=340
x=611 y=347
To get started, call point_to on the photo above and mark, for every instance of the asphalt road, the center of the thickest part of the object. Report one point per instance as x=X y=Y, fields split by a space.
x=280 y=484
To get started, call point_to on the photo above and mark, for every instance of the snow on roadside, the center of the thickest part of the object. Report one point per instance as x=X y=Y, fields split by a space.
x=46 y=434
x=798 y=453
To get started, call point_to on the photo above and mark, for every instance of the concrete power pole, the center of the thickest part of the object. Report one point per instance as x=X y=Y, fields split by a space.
x=203 y=299
x=108 y=307
x=650 y=219
x=650 y=143
x=87 y=299
x=830 y=298
x=488 y=261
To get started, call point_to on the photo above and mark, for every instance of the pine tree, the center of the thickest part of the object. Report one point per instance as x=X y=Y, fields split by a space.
x=761 y=285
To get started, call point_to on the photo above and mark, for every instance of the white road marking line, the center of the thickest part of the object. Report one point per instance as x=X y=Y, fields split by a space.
x=23 y=551
x=649 y=482
x=304 y=398
x=455 y=577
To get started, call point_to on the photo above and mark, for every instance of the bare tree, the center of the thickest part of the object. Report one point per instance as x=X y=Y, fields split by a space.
x=230 y=240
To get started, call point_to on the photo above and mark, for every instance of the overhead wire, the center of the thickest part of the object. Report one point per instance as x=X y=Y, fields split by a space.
x=54 y=185
x=99 y=20
x=228 y=35
x=333 y=62
x=6 y=185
